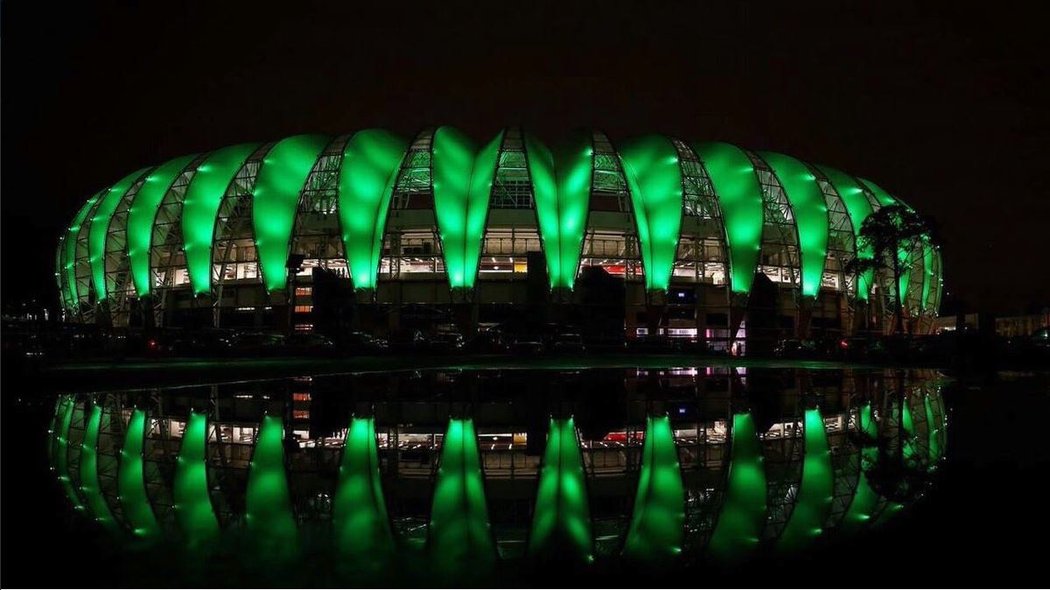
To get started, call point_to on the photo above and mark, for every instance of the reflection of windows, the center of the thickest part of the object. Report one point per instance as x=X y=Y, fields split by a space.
x=303 y=291
x=303 y=396
x=304 y=308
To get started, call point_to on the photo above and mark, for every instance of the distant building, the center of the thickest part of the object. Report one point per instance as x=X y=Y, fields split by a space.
x=1007 y=327
x=232 y=237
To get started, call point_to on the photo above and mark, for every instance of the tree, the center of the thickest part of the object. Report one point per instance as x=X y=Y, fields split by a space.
x=893 y=235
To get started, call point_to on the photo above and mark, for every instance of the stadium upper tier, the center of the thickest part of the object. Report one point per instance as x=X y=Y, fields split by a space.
x=680 y=210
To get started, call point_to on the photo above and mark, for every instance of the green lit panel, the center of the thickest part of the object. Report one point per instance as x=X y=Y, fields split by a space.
x=69 y=260
x=739 y=526
x=885 y=199
x=657 y=527
x=99 y=228
x=359 y=517
x=60 y=275
x=934 y=426
x=811 y=216
x=867 y=422
x=939 y=287
x=654 y=177
x=908 y=421
x=859 y=209
x=60 y=449
x=815 y=492
x=275 y=202
x=561 y=187
x=371 y=161
x=131 y=482
x=201 y=206
x=193 y=508
x=740 y=199
x=268 y=503
x=561 y=523
x=460 y=538
x=462 y=182
x=90 y=487
x=142 y=214
x=865 y=500
x=929 y=278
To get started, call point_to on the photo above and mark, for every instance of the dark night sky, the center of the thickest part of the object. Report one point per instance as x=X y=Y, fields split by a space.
x=945 y=109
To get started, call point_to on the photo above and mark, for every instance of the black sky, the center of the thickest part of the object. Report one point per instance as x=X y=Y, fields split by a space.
x=945 y=108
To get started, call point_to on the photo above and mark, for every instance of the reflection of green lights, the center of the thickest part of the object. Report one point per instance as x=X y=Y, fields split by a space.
x=366 y=182
x=99 y=229
x=562 y=520
x=275 y=202
x=69 y=257
x=268 y=504
x=201 y=205
x=89 y=482
x=744 y=511
x=651 y=168
x=141 y=216
x=933 y=425
x=859 y=209
x=359 y=516
x=193 y=509
x=815 y=492
x=131 y=483
x=459 y=537
x=657 y=523
x=740 y=199
x=462 y=182
x=864 y=501
x=561 y=186
x=60 y=448
x=811 y=216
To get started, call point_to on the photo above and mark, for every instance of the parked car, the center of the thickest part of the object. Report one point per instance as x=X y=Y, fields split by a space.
x=364 y=343
x=445 y=342
x=257 y=344
x=204 y=343
x=568 y=342
x=527 y=344
x=309 y=344
x=488 y=342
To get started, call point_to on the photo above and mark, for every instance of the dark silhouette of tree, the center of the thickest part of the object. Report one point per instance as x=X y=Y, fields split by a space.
x=895 y=235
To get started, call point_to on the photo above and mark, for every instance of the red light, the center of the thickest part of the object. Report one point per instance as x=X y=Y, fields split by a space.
x=843 y=343
x=152 y=344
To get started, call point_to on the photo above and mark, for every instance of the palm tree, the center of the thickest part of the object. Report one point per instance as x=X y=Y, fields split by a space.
x=892 y=235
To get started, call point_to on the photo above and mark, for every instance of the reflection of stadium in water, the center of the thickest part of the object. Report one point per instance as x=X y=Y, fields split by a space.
x=487 y=465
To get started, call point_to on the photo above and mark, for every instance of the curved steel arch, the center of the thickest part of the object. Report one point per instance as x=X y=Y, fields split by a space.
x=700 y=202
x=654 y=177
x=200 y=208
x=142 y=215
x=561 y=186
x=371 y=160
x=462 y=180
x=99 y=229
x=77 y=253
x=859 y=208
x=842 y=237
x=275 y=202
x=740 y=198
x=810 y=213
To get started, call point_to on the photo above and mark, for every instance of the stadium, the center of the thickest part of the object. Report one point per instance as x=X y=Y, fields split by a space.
x=650 y=236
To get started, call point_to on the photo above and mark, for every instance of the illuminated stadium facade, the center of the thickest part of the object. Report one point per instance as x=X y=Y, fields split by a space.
x=702 y=236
